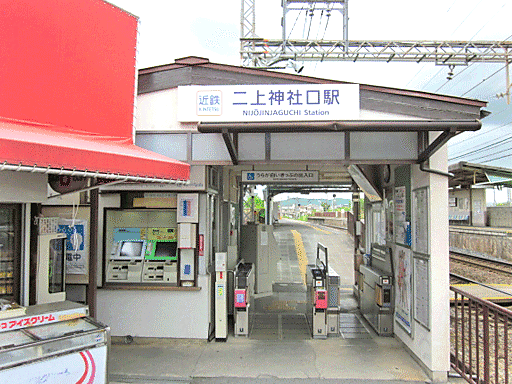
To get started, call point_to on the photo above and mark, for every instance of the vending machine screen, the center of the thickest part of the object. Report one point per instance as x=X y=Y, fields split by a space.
x=131 y=249
x=166 y=249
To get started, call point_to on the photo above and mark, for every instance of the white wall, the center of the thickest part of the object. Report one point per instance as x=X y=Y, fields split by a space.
x=432 y=346
x=156 y=313
x=22 y=187
x=479 y=207
x=158 y=111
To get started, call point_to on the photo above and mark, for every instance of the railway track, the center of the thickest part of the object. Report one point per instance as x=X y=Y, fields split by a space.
x=457 y=279
x=500 y=266
x=479 y=269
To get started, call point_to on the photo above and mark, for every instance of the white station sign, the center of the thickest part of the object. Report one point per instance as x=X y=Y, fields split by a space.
x=276 y=102
x=279 y=176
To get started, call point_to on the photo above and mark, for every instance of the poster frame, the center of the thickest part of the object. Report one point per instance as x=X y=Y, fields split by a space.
x=421 y=221
x=404 y=313
x=425 y=319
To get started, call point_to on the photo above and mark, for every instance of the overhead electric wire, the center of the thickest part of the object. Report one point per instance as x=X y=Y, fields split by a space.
x=297 y=19
x=483 y=81
x=455 y=30
x=473 y=63
x=498 y=144
x=312 y=10
x=424 y=66
x=469 y=14
x=305 y=23
x=497 y=158
x=481 y=133
x=485 y=147
x=319 y=25
x=492 y=154
x=325 y=29
x=451 y=6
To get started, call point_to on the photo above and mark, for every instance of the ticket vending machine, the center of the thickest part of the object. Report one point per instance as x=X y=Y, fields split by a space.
x=161 y=256
x=221 y=297
x=51 y=268
x=126 y=261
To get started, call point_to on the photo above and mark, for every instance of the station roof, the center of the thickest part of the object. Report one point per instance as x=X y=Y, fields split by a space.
x=480 y=175
x=200 y=71
x=415 y=111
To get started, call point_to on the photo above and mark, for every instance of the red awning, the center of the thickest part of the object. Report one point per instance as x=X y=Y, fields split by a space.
x=38 y=148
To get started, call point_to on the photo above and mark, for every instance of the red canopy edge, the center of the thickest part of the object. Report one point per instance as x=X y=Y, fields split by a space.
x=30 y=145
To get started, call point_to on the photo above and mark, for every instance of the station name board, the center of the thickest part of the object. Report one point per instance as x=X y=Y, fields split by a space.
x=276 y=102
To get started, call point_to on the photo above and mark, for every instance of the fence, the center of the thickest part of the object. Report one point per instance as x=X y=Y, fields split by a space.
x=480 y=339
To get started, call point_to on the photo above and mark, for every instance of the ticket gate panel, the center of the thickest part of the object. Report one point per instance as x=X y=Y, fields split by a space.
x=243 y=296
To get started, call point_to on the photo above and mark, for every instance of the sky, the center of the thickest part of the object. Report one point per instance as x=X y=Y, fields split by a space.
x=171 y=29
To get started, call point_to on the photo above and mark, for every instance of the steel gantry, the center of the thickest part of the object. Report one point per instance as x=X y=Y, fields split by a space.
x=280 y=53
x=264 y=53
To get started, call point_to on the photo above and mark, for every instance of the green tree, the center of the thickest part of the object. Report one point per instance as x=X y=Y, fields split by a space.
x=258 y=203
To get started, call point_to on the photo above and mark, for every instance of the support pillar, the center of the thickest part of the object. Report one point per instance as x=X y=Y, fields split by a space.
x=93 y=253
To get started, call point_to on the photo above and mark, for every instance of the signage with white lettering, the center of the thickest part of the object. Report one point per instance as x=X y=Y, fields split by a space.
x=40 y=319
x=279 y=176
x=276 y=102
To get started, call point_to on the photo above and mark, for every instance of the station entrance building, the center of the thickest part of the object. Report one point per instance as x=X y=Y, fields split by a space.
x=238 y=126
x=155 y=248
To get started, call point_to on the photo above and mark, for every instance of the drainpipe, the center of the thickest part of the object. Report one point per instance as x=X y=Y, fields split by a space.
x=435 y=171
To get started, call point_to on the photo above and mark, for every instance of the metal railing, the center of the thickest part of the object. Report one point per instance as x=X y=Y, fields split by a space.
x=481 y=334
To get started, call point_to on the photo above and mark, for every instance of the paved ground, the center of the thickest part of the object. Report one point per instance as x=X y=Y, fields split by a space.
x=280 y=349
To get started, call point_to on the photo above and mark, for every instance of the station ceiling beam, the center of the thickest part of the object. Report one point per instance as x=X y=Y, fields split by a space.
x=447 y=129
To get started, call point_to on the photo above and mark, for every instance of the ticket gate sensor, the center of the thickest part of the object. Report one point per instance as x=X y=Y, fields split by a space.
x=316 y=301
x=244 y=289
x=333 y=305
x=221 y=297
x=376 y=299
x=322 y=307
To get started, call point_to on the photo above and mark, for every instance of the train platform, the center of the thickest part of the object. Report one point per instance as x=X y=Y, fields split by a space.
x=484 y=230
x=280 y=348
x=502 y=294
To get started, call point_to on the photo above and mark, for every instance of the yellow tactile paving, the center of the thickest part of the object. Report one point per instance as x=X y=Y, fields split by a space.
x=301 y=254
x=318 y=229
x=485 y=293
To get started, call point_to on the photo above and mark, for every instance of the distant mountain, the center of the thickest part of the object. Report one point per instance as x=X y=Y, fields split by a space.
x=340 y=202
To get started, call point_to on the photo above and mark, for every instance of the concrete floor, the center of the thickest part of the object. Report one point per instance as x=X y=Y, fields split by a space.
x=280 y=349
x=240 y=359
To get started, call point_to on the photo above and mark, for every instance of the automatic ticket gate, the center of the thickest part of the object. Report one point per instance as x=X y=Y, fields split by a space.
x=244 y=288
x=322 y=309
x=376 y=299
